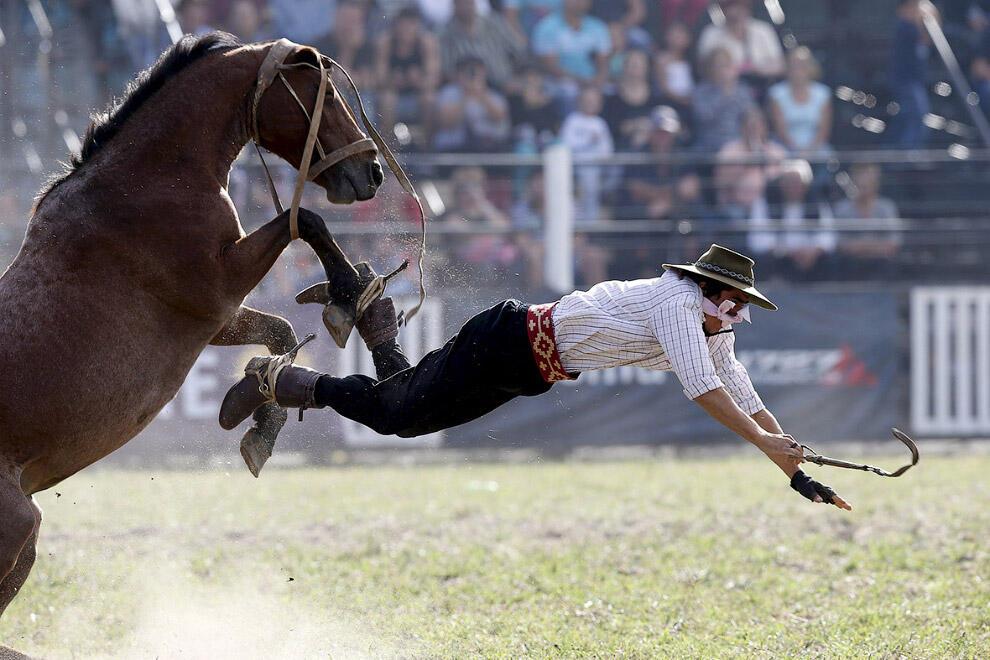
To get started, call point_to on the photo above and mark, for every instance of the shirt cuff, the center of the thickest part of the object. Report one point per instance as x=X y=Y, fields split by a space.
x=751 y=406
x=701 y=386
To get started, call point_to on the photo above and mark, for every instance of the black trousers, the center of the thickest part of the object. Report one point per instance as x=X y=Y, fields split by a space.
x=486 y=364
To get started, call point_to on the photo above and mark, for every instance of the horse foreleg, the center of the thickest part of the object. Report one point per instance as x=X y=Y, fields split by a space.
x=250 y=326
x=247 y=260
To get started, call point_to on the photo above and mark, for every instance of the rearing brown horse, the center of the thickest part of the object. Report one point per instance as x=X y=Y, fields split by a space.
x=135 y=260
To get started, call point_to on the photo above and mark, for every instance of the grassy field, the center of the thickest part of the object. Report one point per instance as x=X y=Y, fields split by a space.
x=651 y=559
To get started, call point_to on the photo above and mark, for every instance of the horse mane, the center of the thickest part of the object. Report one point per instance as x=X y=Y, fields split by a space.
x=106 y=124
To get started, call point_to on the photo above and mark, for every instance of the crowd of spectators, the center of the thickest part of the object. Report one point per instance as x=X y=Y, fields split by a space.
x=601 y=76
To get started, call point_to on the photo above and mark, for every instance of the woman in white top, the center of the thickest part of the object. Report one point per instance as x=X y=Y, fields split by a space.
x=801 y=108
x=673 y=70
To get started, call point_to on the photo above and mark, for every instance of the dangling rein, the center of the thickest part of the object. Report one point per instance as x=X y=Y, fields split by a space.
x=272 y=68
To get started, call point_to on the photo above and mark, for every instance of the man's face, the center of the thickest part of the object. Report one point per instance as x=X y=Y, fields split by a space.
x=737 y=11
x=349 y=22
x=735 y=295
x=577 y=7
x=465 y=10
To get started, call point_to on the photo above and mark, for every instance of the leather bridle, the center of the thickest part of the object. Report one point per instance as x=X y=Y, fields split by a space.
x=270 y=70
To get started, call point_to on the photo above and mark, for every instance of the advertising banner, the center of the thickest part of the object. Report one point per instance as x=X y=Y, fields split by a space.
x=828 y=365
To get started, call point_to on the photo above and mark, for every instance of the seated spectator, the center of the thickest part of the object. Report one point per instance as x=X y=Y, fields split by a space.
x=908 y=76
x=573 y=47
x=491 y=254
x=527 y=219
x=801 y=109
x=663 y=189
x=627 y=110
x=407 y=63
x=719 y=103
x=673 y=70
x=523 y=15
x=11 y=229
x=535 y=113
x=195 y=17
x=587 y=134
x=625 y=21
x=789 y=237
x=591 y=261
x=348 y=42
x=979 y=71
x=754 y=155
x=302 y=21
x=744 y=199
x=437 y=13
x=867 y=204
x=752 y=43
x=662 y=13
x=470 y=115
x=488 y=38
x=245 y=20
x=980 y=66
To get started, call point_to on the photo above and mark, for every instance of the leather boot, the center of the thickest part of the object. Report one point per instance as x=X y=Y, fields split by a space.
x=346 y=299
x=289 y=386
x=379 y=328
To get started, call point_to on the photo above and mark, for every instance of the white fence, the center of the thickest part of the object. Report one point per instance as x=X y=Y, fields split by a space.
x=950 y=360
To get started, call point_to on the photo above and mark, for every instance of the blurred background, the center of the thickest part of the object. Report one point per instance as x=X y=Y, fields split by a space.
x=557 y=143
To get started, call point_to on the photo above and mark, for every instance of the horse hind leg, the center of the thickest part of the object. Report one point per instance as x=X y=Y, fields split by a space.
x=12 y=584
x=250 y=326
x=18 y=535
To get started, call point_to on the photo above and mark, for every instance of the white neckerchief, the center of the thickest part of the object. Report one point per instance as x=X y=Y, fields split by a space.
x=724 y=312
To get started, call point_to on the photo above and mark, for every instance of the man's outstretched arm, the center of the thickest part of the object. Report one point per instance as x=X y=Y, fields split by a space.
x=780 y=448
x=763 y=431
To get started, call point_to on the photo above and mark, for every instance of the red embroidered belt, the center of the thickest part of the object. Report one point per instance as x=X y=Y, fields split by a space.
x=543 y=342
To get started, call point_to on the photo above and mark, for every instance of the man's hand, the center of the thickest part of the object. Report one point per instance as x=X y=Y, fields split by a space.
x=781 y=447
x=817 y=492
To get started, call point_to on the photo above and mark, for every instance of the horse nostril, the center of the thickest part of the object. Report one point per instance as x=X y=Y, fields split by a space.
x=377 y=175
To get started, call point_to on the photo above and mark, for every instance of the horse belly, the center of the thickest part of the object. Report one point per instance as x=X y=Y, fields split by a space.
x=88 y=374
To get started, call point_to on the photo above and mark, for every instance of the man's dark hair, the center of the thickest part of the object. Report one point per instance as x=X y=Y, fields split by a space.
x=469 y=63
x=711 y=287
x=409 y=12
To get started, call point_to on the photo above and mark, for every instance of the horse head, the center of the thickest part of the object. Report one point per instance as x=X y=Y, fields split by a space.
x=344 y=160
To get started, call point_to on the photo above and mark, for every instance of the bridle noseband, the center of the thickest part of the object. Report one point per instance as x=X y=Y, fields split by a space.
x=272 y=68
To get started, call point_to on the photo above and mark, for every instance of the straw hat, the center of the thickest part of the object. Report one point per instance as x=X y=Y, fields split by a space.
x=723 y=265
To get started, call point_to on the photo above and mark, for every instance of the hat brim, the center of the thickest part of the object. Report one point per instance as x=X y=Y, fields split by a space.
x=755 y=296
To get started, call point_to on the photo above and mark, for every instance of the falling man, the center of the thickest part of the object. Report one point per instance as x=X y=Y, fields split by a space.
x=681 y=321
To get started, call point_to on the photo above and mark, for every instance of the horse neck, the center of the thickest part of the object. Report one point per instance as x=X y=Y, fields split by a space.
x=198 y=122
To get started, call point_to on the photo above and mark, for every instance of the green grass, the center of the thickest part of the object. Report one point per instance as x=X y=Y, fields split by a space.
x=651 y=559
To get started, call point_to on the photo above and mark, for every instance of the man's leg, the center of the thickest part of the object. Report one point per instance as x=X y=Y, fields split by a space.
x=487 y=363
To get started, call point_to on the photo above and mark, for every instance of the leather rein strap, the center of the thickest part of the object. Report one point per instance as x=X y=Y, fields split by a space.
x=271 y=68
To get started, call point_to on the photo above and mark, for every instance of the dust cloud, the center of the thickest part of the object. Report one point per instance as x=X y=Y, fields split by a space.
x=180 y=618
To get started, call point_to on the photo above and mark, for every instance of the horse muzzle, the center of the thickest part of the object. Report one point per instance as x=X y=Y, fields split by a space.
x=353 y=180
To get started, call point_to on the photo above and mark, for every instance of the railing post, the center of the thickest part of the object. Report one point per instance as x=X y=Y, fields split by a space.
x=558 y=221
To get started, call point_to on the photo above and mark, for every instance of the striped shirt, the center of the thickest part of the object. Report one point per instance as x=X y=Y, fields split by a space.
x=656 y=324
x=492 y=41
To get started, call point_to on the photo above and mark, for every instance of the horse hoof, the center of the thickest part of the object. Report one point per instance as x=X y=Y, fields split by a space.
x=256 y=449
x=339 y=321
x=318 y=293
